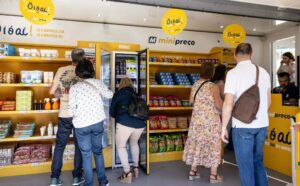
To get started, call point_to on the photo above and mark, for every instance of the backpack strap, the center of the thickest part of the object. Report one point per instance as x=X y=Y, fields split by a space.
x=257 y=75
x=199 y=89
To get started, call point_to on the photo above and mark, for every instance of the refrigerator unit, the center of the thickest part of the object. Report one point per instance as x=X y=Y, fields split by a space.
x=113 y=67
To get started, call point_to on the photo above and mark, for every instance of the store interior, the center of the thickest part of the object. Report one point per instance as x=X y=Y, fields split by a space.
x=125 y=38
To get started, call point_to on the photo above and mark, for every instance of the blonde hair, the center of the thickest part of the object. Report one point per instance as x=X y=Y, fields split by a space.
x=126 y=82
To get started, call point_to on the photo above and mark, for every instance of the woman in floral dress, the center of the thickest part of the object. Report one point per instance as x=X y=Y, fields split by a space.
x=203 y=145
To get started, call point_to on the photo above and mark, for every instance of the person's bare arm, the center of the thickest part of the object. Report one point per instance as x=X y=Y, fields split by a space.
x=217 y=97
x=226 y=115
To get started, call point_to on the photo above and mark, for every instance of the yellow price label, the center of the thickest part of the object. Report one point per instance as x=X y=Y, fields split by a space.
x=174 y=22
x=39 y=12
x=234 y=34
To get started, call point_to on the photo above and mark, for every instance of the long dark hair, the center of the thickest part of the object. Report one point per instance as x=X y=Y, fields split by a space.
x=220 y=73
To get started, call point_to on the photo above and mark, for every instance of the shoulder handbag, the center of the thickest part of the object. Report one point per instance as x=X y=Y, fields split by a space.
x=199 y=89
x=246 y=107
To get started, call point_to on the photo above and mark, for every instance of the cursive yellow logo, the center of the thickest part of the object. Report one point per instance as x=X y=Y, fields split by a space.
x=174 y=22
x=234 y=34
x=39 y=12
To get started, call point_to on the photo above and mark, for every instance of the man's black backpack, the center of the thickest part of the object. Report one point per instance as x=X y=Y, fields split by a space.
x=138 y=108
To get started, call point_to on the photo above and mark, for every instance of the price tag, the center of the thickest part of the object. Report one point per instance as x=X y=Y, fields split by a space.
x=36 y=164
x=26 y=58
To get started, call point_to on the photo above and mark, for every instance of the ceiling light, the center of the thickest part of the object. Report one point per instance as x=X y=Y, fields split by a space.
x=157 y=7
x=99 y=15
x=254 y=29
x=221 y=26
x=279 y=22
x=145 y=19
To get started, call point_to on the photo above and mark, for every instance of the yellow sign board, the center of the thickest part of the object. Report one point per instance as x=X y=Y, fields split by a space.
x=174 y=22
x=39 y=12
x=234 y=34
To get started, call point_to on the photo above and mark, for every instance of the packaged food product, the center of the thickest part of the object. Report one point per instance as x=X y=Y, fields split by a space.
x=55 y=104
x=170 y=143
x=163 y=122
x=166 y=102
x=178 y=102
x=178 y=143
x=182 y=122
x=161 y=102
x=172 y=102
x=172 y=121
x=153 y=123
x=47 y=104
x=153 y=144
x=151 y=101
x=155 y=101
x=161 y=144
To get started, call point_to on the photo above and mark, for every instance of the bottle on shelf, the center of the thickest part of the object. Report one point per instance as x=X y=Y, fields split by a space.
x=55 y=104
x=40 y=105
x=47 y=104
x=35 y=105
x=50 y=129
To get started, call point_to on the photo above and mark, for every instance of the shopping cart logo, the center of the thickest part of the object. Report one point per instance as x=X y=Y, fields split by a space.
x=152 y=39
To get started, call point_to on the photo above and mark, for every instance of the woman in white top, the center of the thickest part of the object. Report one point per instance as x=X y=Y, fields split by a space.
x=86 y=108
x=288 y=65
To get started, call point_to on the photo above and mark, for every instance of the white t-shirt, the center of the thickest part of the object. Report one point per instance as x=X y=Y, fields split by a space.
x=86 y=104
x=238 y=80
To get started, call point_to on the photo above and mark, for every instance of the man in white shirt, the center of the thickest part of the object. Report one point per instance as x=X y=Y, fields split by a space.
x=248 y=139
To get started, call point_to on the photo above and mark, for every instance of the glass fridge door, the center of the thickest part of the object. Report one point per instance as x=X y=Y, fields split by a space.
x=105 y=77
x=143 y=58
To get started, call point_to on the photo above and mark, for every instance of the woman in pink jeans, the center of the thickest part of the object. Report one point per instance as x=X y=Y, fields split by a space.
x=128 y=128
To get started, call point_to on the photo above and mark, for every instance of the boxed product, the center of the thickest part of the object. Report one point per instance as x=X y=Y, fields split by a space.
x=23 y=100
x=181 y=79
x=8 y=77
x=5 y=128
x=182 y=122
x=164 y=78
x=172 y=121
x=28 y=77
x=24 y=130
x=48 y=77
x=6 y=154
x=8 y=105
x=7 y=50
x=49 y=53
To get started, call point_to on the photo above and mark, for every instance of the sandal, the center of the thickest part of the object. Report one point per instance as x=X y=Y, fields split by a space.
x=193 y=175
x=215 y=178
x=126 y=177
x=136 y=172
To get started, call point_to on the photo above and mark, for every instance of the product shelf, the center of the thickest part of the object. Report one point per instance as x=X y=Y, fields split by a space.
x=174 y=64
x=166 y=156
x=171 y=86
x=19 y=59
x=167 y=131
x=45 y=167
x=33 y=138
x=24 y=85
x=171 y=108
x=29 y=112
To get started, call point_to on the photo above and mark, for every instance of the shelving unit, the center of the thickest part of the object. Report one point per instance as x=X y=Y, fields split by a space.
x=223 y=55
x=166 y=156
x=167 y=131
x=19 y=59
x=4 y=113
x=16 y=64
x=24 y=85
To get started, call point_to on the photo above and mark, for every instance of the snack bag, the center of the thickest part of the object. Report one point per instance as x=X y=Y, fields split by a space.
x=178 y=143
x=161 y=144
x=153 y=123
x=170 y=143
x=153 y=144
x=163 y=120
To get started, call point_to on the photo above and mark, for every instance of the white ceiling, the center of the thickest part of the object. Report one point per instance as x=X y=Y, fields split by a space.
x=140 y=15
x=293 y=4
